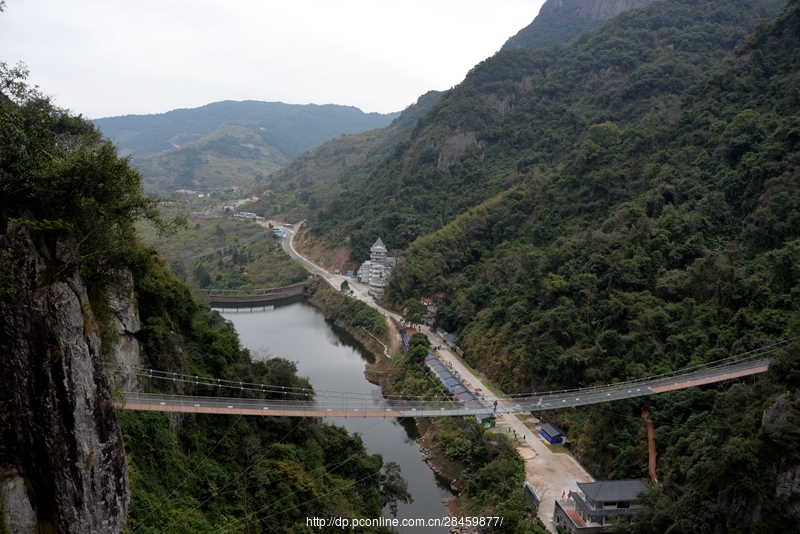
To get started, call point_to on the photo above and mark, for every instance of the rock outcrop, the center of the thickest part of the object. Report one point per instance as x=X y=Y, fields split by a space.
x=60 y=430
x=560 y=21
x=126 y=354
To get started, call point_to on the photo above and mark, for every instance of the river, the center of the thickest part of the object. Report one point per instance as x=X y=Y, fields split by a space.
x=333 y=360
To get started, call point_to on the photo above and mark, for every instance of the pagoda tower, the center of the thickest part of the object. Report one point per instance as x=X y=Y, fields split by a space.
x=379 y=270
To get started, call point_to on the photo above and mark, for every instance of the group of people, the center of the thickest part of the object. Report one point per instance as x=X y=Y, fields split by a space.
x=510 y=430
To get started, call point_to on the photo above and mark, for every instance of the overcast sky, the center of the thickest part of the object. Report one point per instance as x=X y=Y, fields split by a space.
x=114 y=57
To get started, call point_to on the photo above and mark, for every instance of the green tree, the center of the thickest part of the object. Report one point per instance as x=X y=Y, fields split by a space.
x=419 y=340
x=60 y=177
x=201 y=276
x=414 y=311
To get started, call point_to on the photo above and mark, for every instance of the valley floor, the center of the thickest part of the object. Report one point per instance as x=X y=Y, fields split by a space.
x=549 y=473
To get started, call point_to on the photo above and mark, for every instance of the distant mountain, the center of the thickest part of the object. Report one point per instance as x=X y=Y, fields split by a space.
x=312 y=180
x=291 y=128
x=230 y=156
x=200 y=147
x=561 y=21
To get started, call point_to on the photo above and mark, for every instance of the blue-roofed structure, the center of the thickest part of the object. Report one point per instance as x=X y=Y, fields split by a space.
x=460 y=389
x=450 y=383
x=552 y=434
x=457 y=388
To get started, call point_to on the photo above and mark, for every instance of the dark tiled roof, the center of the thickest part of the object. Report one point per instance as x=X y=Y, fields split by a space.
x=552 y=430
x=612 y=490
x=600 y=512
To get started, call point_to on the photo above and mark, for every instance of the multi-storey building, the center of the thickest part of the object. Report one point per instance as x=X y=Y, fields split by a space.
x=598 y=505
x=376 y=271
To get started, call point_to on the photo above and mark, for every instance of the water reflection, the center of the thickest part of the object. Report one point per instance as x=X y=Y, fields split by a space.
x=333 y=361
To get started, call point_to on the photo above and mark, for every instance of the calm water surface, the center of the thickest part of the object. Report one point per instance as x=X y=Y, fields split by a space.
x=334 y=361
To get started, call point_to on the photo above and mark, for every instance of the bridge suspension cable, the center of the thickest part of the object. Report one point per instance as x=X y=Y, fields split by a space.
x=295 y=393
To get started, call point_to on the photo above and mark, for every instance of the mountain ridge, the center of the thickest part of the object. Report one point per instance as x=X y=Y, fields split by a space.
x=561 y=21
x=126 y=130
x=165 y=146
x=310 y=181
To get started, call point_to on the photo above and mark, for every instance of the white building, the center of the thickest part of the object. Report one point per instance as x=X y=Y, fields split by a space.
x=376 y=271
x=363 y=272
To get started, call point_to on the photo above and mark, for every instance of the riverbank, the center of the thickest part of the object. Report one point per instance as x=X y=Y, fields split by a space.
x=365 y=324
x=379 y=372
x=482 y=468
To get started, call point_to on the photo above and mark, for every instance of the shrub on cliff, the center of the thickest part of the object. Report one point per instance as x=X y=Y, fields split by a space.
x=59 y=177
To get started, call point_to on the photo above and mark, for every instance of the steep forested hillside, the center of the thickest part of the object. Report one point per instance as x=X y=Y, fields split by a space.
x=314 y=179
x=655 y=230
x=523 y=112
x=622 y=206
x=560 y=21
x=635 y=234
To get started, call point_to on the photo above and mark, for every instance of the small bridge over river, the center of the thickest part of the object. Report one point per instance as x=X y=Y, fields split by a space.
x=287 y=402
x=244 y=298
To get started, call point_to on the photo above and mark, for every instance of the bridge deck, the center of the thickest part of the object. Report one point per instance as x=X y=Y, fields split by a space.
x=360 y=406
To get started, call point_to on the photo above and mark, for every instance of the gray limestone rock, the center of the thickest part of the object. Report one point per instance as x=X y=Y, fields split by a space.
x=125 y=356
x=18 y=514
x=62 y=435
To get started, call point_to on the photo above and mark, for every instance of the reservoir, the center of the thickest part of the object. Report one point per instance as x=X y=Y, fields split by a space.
x=334 y=361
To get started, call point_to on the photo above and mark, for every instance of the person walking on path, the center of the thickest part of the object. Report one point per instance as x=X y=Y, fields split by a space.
x=495 y=406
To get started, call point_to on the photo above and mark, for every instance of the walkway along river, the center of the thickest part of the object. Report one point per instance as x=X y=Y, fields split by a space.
x=331 y=358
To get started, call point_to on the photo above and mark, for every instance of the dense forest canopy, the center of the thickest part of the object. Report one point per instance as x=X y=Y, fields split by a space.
x=662 y=238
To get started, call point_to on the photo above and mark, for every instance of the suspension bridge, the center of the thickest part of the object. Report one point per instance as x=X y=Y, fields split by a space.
x=294 y=402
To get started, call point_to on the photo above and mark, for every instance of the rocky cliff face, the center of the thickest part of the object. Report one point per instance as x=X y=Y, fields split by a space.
x=126 y=354
x=61 y=450
x=560 y=21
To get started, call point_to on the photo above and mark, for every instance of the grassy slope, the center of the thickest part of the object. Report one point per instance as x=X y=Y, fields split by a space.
x=258 y=264
x=230 y=156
